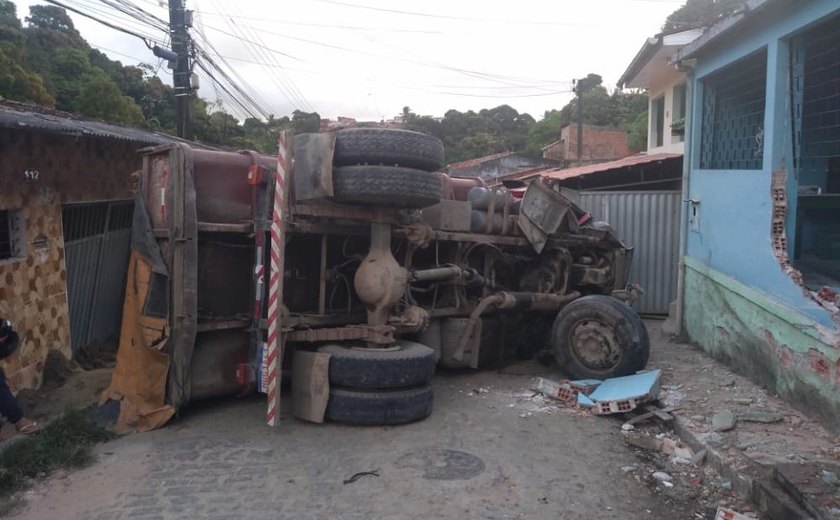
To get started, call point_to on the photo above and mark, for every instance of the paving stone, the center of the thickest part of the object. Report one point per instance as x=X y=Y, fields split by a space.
x=723 y=421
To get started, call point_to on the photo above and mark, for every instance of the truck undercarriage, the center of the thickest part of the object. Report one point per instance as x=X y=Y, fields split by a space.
x=387 y=266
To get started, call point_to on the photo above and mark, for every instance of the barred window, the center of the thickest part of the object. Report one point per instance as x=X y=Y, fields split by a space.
x=12 y=243
x=732 y=135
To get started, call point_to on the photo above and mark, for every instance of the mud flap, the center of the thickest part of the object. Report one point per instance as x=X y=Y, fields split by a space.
x=313 y=155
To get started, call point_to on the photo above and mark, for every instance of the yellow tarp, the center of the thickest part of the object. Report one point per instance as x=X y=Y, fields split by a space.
x=139 y=380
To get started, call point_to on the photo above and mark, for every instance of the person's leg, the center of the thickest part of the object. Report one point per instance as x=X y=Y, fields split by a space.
x=9 y=407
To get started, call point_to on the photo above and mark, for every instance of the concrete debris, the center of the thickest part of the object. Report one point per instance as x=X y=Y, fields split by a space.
x=726 y=484
x=684 y=452
x=724 y=513
x=661 y=476
x=623 y=394
x=615 y=395
x=829 y=477
x=699 y=458
x=723 y=421
x=644 y=442
x=627 y=427
x=628 y=469
x=669 y=446
x=585 y=402
x=762 y=417
x=667 y=484
x=585 y=386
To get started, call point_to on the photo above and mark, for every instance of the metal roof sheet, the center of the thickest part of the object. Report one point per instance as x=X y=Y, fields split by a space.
x=589 y=169
x=21 y=115
x=478 y=160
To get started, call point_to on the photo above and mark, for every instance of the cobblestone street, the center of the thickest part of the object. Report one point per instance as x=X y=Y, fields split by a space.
x=482 y=454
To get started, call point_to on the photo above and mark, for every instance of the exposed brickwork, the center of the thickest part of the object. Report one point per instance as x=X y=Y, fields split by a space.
x=819 y=364
x=33 y=291
x=599 y=144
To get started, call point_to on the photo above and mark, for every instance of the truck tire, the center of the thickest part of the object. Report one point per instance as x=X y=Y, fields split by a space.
x=379 y=408
x=408 y=364
x=389 y=147
x=386 y=187
x=598 y=337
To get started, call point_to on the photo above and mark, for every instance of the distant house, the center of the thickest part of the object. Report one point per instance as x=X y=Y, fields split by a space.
x=498 y=165
x=65 y=224
x=660 y=167
x=761 y=225
x=638 y=194
x=666 y=87
x=600 y=144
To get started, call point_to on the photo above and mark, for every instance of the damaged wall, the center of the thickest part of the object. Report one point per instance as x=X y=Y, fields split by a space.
x=772 y=344
x=33 y=292
x=744 y=303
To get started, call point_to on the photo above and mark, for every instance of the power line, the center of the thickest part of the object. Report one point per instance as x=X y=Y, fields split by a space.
x=92 y=6
x=325 y=25
x=256 y=49
x=468 y=72
x=444 y=16
x=285 y=79
x=146 y=39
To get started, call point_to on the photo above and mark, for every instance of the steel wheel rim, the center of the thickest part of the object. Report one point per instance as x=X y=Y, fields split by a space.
x=594 y=345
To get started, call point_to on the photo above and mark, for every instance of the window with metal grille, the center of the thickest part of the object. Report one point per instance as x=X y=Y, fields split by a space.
x=815 y=116
x=732 y=133
x=12 y=243
x=815 y=89
x=657 y=118
x=678 y=114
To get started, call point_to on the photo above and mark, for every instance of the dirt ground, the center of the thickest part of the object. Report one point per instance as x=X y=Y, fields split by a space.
x=66 y=387
x=493 y=448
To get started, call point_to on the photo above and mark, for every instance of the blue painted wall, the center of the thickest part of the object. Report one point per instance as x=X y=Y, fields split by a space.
x=733 y=234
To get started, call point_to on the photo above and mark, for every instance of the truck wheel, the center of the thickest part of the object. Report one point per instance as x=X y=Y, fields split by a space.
x=379 y=408
x=386 y=187
x=388 y=147
x=407 y=364
x=597 y=337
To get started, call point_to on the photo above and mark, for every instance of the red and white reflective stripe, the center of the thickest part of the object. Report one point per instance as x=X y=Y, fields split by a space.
x=275 y=285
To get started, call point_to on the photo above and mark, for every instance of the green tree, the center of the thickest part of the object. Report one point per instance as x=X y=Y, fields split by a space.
x=305 y=122
x=617 y=110
x=637 y=133
x=544 y=132
x=100 y=97
x=49 y=30
x=697 y=13
x=16 y=82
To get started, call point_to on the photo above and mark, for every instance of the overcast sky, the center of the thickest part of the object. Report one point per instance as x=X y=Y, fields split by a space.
x=368 y=58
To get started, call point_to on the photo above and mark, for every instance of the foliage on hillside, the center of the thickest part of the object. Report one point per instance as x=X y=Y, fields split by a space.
x=697 y=13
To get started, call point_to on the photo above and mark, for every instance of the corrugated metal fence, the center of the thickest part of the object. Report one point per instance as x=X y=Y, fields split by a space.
x=97 y=238
x=648 y=221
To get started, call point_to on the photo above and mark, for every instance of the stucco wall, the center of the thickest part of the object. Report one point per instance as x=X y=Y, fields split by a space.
x=769 y=342
x=741 y=304
x=33 y=292
x=664 y=86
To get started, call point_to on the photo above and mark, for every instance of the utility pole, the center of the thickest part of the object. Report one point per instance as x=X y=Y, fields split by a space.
x=179 y=21
x=578 y=89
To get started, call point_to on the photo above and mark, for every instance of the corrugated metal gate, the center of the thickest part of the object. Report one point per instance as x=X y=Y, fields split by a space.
x=97 y=238
x=648 y=221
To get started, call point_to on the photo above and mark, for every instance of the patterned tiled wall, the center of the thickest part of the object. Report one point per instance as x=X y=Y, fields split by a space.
x=33 y=291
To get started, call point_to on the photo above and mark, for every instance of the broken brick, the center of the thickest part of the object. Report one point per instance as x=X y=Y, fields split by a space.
x=819 y=364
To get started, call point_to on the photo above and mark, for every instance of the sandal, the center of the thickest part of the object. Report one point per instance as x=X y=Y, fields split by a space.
x=27 y=426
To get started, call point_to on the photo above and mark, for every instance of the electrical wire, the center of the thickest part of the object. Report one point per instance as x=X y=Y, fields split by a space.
x=257 y=49
x=146 y=39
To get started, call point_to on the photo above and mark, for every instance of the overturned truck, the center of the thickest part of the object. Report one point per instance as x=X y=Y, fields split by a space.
x=388 y=266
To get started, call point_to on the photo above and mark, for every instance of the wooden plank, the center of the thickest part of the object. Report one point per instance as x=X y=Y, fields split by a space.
x=310 y=385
